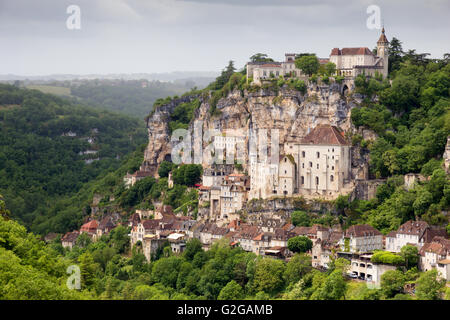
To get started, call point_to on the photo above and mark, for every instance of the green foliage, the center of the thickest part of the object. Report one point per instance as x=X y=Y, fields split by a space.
x=137 y=192
x=410 y=255
x=40 y=166
x=387 y=257
x=330 y=68
x=301 y=219
x=193 y=247
x=392 y=282
x=29 y=269
x=297 y=268
x=232 y=291
x=260 y=57
x=269 y=275
x=183 y=114
x=187 y=174
x=429 y=286
x=299 y=244
x=333 y=288
x=127 y=97
x=309 y=64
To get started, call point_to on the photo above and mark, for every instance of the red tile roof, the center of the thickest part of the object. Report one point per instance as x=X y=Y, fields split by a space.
x=361 y=230
x=325 y=135
x=91 y=226
x=351 y=51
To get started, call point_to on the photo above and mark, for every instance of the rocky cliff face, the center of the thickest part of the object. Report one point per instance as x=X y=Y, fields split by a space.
x=289 y=111
x=159 y=147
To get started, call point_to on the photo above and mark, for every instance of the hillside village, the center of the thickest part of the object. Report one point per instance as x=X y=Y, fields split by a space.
x=317 y=162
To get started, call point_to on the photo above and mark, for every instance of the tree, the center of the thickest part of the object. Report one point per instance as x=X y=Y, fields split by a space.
x=269 y=275
x=429 y=286
x=83 y=240
x=119 y=238
x=103 y=256
x=165 y=271
x=411 y=255
x=308 y=64
x=260 y=57
x=395 y=54
x=297 y=267
x=333 y=288
x=300 y=218
x=330 y=68
x=164 y=168
x=392 y=282
x=224 y=76
x=4 y=213
x=232 y=291
x=299 y=244
x=88 y=269
x=193 y=246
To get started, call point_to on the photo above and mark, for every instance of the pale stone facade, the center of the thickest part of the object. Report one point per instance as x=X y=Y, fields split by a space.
x=365 y=269
x=361 y=238
x=415 y=233
x=261 y=71
x=351 y=62
x=320 y=164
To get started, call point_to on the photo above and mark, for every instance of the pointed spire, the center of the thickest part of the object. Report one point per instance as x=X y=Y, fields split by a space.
x=383 y=39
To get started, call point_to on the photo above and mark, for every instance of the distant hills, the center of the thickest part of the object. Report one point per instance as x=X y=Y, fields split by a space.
x=166 y=76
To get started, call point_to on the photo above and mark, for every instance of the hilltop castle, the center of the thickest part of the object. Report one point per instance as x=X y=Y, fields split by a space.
x=350 y=62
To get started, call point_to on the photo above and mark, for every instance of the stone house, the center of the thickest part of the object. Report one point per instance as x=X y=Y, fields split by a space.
x=233 y=194
x=267 y=70
x=412 y=232
x=215 y=175
x=324 y=248
x=90 y=228
x=69 y=239
x=324 y=161
x=361 y=238
x=151 y=244
x=436 y=255
x=131 y=179
x=104 y=227
x=143 y=228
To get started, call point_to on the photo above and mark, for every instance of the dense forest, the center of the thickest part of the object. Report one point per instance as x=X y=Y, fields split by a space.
x=134 y=98
x=50 y=147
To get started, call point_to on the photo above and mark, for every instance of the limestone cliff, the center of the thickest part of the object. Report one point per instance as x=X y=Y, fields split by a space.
x=290 y=111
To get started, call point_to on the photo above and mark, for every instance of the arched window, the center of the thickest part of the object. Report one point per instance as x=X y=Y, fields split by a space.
x=317 y=180
x=310 y=164
x=331 y=178
x=303 y=180
x=303 y=154
x=318 y=155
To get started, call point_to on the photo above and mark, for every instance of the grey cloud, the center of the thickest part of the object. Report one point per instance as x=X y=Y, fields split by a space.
x=168 y=35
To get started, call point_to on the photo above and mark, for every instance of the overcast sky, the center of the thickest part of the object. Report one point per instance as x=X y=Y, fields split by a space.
x=134 y=36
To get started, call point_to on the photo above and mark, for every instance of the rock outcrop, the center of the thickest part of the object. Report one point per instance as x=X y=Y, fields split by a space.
x=289 y=111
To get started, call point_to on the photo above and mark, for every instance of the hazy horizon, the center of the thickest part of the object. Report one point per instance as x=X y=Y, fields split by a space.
x=163 y=36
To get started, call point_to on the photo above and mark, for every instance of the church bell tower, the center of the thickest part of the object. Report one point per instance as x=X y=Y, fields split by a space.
x=382 y=52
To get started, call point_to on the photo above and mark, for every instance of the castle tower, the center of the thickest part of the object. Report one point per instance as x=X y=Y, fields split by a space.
x=382 y=52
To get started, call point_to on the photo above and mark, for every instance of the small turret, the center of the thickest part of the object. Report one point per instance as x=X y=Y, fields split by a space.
x=382 y=52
